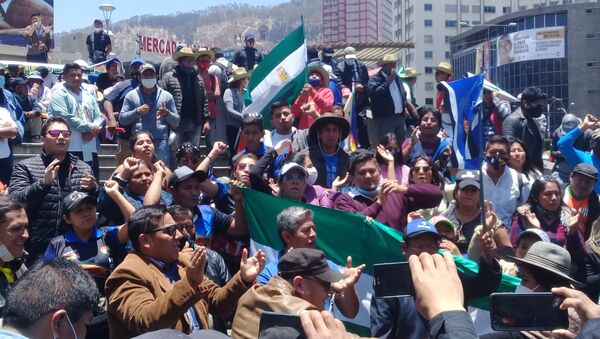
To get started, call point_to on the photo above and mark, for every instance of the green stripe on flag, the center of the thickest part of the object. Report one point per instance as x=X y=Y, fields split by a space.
x=341 y=234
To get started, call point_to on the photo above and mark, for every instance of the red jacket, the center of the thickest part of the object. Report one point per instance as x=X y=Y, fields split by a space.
x=322 y=98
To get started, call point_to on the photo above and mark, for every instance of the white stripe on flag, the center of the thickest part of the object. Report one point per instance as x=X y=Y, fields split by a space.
x=266 y=90
x=457 y=125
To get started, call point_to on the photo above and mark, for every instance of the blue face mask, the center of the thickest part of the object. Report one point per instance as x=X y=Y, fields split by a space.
x=2 y=81
x=314 y=81
x=371 y=194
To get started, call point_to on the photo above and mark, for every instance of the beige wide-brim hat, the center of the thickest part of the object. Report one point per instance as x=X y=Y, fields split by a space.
x=184 y=52
x=445 y=67
x=204 y=51
x=238 y=74
x=388 y=59
x=323 y=72
x=410 y=73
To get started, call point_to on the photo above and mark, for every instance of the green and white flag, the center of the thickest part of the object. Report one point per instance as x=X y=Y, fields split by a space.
x=279 y=76
x=341 y=234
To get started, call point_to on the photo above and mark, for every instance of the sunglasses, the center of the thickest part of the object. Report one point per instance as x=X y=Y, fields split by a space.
x=324 y=284
x=170 y=230
x=55 y=133
x=242 y=167
x=290 y=177
x=425 y=169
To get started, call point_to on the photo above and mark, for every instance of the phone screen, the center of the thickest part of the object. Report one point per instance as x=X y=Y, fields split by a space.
x=532 y=311
x=277 y=322
x=392 y=280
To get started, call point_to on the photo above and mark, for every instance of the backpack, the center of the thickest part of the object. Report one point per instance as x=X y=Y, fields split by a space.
x=226 y=73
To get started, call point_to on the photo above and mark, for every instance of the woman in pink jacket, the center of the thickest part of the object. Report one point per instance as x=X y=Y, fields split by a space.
x=315 y=98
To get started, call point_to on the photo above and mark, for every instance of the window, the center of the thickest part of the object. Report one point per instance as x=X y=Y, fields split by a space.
x=476 y=22
x=450 y=8
x=475 y=9
x=447 y=55
x=428 y=101
x=428 y=23
x=522 y=8
x=489 y=9
x=428 y=39
x=464 y=8
x=428 y=70
x=428 y=7
x=428 y=54
x=429 y=86
x=447 y=39
x=451 y=23
x=506 y=9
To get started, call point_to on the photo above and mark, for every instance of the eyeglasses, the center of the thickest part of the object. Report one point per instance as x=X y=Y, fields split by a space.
x=242 y=167
x=55 y=133
x=425 y=169
x=170 y=230
x=290 y=177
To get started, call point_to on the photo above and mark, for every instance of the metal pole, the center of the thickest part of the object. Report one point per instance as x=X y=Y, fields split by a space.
x=481 y=151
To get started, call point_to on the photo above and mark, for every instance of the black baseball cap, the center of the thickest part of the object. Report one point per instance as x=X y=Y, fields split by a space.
x=587 y=170
x=327 y=51
x=307 y=262
x=183 y=173
x=75 y=199
x=466 y=178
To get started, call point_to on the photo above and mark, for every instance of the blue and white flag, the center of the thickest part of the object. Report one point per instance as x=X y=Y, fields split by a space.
x=460 y=99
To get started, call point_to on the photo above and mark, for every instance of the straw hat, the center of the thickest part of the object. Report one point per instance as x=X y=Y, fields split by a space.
x=316 y=67
x=238 y=74
x=388 y=59
x=445 y=67
x=184 y=52
x=410 y=73
x=204 y=51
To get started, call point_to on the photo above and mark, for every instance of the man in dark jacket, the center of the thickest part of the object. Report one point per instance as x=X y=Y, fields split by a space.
x=353 y=71
x=522 y=124
x=31 y=109
x=248 y=56
x=388 y=102
x=189 y=93
x=324 y=137
x=42 y=181
x=398 y=317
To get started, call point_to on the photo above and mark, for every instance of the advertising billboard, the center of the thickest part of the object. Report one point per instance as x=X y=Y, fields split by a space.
x=531 y=44
x=16 y=17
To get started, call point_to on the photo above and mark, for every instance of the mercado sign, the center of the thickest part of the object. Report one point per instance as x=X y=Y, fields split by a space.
x=531 y=44
x=157 y=45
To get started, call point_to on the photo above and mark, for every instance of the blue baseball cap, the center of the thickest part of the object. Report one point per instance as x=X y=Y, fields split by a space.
x=420 y=226
x=137 y=61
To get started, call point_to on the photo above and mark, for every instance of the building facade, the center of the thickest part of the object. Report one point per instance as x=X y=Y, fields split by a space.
x=431 y=24
x=357 y=21
x=556 y=48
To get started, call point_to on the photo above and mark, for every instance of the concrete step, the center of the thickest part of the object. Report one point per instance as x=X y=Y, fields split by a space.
x=36 y=147
x=105 y=159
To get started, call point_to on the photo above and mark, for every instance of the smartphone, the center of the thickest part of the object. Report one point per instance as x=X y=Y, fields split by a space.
x=392 y=280
x=529 y=311
x=278 y=323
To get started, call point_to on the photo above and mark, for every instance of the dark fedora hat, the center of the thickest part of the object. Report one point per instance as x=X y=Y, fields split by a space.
x=549 y=257
x=325 y=119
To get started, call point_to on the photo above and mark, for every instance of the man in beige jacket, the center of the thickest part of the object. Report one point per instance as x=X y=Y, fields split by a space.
x=155 y=287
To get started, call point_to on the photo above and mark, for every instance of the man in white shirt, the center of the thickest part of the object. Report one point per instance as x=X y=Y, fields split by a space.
x=77 y=103
x=503 y=186
x=282 y=120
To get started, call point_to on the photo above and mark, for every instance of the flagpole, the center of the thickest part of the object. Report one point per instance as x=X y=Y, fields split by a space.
x=481 y=151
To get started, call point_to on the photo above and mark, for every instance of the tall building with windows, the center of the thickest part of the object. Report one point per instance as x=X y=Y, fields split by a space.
x=432 y=23
x=357 y=21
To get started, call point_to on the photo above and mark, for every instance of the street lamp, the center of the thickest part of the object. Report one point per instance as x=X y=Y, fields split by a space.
x=107 y=10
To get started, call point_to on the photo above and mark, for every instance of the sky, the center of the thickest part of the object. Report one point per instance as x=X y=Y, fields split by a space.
x=70 y=14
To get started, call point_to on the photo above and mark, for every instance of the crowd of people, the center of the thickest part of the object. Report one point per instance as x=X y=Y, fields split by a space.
x=164 y=244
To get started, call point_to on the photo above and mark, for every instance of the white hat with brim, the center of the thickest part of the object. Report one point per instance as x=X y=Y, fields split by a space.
x=323 y=72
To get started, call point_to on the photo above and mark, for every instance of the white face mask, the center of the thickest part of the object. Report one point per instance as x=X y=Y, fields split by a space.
x=525 y=289
x=97 y=29
x=312 y=176
x=5 y=254
x=149 y=83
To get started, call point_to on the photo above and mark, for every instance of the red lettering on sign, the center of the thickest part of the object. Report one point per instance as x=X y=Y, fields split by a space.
x=161 y=46
x=154 y=45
